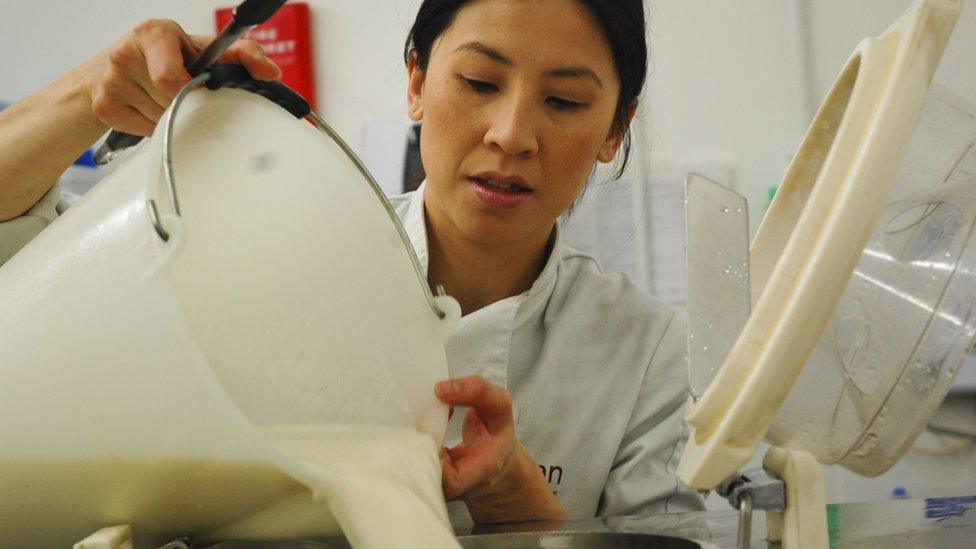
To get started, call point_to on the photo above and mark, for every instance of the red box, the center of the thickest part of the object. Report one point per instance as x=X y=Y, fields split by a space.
x=287 y=38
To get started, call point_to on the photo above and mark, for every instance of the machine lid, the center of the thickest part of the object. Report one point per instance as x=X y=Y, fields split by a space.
x=813 y=234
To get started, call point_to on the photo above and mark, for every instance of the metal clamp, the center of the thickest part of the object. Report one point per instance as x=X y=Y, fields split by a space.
x=751 y=490
x=319 y=123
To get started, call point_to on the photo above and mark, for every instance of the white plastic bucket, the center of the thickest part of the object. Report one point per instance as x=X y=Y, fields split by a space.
x=136 y=370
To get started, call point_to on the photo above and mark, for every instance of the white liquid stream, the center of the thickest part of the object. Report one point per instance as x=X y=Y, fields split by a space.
x=380 y=485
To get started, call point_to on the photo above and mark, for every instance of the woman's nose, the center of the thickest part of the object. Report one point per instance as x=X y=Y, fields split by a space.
x=512 y=129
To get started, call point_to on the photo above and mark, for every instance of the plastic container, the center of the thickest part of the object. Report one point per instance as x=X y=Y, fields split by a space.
x=907 y=318
x=137 y=371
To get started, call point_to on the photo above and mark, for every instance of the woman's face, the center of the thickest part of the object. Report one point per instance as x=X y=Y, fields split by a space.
x=516 y=104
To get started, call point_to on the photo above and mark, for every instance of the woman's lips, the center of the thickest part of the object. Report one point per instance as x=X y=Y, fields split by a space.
x=499 y=198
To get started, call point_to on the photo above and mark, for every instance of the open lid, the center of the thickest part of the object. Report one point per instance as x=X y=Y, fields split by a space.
x=814 y=233
x=907 y=319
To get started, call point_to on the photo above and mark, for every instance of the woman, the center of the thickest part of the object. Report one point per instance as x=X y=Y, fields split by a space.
x=562 y=370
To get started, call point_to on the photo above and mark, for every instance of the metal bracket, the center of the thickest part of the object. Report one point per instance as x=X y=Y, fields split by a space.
x=753 y=489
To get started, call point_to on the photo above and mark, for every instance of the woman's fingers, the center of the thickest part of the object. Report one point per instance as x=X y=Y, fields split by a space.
x=125 y=119
x=133 y=80
x=449 y=476
x=487 y=436
x=145 y=105
x=492 y=403
x=124 y=105
x=163 y=50
x=136 y=79
x=459 y=473
x=468 y=468
x=120 y=88
x=244 y=52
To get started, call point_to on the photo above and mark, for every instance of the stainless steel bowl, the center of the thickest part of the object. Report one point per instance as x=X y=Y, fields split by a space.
x=576 y=540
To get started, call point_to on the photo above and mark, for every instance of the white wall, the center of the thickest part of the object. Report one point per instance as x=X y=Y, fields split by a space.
x=723 y=87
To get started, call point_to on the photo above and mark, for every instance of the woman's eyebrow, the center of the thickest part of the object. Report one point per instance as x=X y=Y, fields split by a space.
x=495 y=55
x=576 y=72
x=491 y=53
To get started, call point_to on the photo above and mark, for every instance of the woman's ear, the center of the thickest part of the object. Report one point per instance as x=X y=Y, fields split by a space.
x=615 y=138
x=415 y=88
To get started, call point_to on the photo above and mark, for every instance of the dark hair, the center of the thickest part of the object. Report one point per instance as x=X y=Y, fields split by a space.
x=622 y=22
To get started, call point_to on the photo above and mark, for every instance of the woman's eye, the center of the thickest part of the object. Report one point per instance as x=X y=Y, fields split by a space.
x=563 y=104
x=480 y=86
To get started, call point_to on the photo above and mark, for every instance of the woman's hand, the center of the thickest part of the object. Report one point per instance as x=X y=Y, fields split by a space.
x=126 y=86
x=490 y=470
x=131 y=82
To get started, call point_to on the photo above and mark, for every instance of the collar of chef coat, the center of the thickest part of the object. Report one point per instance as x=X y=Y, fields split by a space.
x=481 y=344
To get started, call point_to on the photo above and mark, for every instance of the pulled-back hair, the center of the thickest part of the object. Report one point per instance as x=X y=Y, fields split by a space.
x=623 y=25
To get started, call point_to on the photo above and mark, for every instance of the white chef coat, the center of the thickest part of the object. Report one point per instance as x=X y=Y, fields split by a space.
x=596 y=369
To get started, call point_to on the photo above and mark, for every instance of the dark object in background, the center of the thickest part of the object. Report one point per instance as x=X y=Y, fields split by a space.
x=413 y=166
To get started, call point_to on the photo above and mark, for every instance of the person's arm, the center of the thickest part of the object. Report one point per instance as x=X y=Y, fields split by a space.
x=491 y=471
x=127 y=86
x=40 y=137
